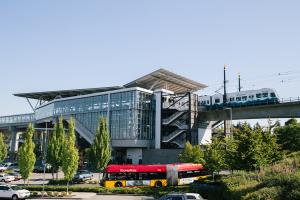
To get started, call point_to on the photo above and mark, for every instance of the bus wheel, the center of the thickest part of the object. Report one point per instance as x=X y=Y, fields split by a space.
x=158 y=184
x=118 y=184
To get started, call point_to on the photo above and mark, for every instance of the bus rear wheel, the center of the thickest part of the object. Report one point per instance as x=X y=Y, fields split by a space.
x=158 y=184
x=118 y=184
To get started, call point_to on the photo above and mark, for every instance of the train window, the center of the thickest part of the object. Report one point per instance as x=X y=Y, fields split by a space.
x=265 y=94
x=238 y=99
x=258 y=96
x=251 y=97
x=207 y=102
x=272 y=94
x=244 y=98
x=217 y=100
x=231 y=99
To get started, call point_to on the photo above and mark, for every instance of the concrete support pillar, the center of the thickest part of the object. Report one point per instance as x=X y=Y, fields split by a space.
x=205 y=133
x=227 y=127
x=14 y=142
x=158 y=104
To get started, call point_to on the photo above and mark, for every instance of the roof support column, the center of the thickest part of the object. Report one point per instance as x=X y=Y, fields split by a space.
x=158 y=108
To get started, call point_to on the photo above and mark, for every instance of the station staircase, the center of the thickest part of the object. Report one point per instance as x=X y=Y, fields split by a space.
x=82 y=130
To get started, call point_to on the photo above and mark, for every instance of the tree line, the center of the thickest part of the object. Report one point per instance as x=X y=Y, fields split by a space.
x=248 y=148
x=61 y=150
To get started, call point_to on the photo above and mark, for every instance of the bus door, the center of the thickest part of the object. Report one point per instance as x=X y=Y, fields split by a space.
x=172 y=175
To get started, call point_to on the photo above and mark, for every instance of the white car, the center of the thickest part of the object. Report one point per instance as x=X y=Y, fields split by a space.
x=193 y=196
x=13 y=192
x=181 y=196
x=6 y=178
x=3 y=168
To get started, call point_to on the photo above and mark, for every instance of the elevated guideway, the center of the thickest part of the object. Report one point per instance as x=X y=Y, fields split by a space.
x=21 y=120
x=287 y=108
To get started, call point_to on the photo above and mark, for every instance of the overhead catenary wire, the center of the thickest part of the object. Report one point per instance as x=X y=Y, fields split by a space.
x=282 y=77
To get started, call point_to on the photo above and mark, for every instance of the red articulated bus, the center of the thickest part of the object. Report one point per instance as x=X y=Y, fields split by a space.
x=152 y=175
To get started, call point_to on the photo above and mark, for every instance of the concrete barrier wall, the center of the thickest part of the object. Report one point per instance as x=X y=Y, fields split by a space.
x=160 y=156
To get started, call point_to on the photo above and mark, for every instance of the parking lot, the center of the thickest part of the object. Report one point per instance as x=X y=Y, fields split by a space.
x=37 y=178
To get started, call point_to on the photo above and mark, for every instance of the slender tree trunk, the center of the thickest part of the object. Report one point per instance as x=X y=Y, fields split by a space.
x=99 y=177
x=52 y=172
x=68 y=188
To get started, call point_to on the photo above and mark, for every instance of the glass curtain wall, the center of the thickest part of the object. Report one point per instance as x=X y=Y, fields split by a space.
x=130 y=113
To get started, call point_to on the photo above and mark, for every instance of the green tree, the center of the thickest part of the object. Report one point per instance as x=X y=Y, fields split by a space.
x=215 y=156
x=231 y=153
x=100 y=151
x=71 y=157
x=3 y=148
x=26 y=156
x=56 y=147
x=288 y=136
x=256 y=147
x=192 y=154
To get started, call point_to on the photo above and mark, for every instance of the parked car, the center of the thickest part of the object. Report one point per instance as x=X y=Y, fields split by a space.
x=40 y=168
x=13 y=166
x=181 y=196
x=6 y=178
x=13 y=192
x=16 y=175
x=194 y=196
x=83 y=175
x=3 y=168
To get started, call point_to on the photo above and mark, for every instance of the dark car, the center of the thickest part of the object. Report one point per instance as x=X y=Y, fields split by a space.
x=13 y=166
x=40 y=168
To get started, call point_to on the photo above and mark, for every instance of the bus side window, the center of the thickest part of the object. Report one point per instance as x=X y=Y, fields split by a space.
x=143 y=176
x=131 y=176
x=157 y=176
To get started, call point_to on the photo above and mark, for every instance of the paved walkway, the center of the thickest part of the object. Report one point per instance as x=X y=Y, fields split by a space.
x=94 y=196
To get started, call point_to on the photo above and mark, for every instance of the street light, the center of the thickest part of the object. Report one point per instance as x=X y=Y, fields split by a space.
x=44 y=157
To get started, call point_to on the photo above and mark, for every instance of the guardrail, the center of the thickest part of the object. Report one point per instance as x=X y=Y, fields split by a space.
x=289 y=100
x=17 y=119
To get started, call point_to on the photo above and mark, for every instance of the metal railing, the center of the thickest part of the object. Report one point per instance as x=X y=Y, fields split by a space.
x=172 y=136
x=173 y=117
x=289 y=100
x=17 y=119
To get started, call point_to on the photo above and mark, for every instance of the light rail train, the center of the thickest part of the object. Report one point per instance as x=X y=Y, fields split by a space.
x=244 y=98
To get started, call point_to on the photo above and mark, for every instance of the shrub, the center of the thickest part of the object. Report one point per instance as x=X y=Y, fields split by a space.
x=50 y=194
x=56 y=194
x=271 y=193
x=34 y=194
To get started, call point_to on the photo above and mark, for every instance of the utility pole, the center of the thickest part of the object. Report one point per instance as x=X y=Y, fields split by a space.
x=225 y=93
x=226 y=124
x=240 y=83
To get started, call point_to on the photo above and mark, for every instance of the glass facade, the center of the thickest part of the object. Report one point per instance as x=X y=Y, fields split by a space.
x=130 y=113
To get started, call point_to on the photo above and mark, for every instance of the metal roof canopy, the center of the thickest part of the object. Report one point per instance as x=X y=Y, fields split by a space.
x=51 y=95
x=164 y=79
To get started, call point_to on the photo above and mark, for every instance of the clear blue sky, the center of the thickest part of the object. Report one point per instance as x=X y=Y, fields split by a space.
x=52 y=45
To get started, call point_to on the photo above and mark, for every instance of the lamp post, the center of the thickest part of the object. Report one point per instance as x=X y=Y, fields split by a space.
x=44 y=157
